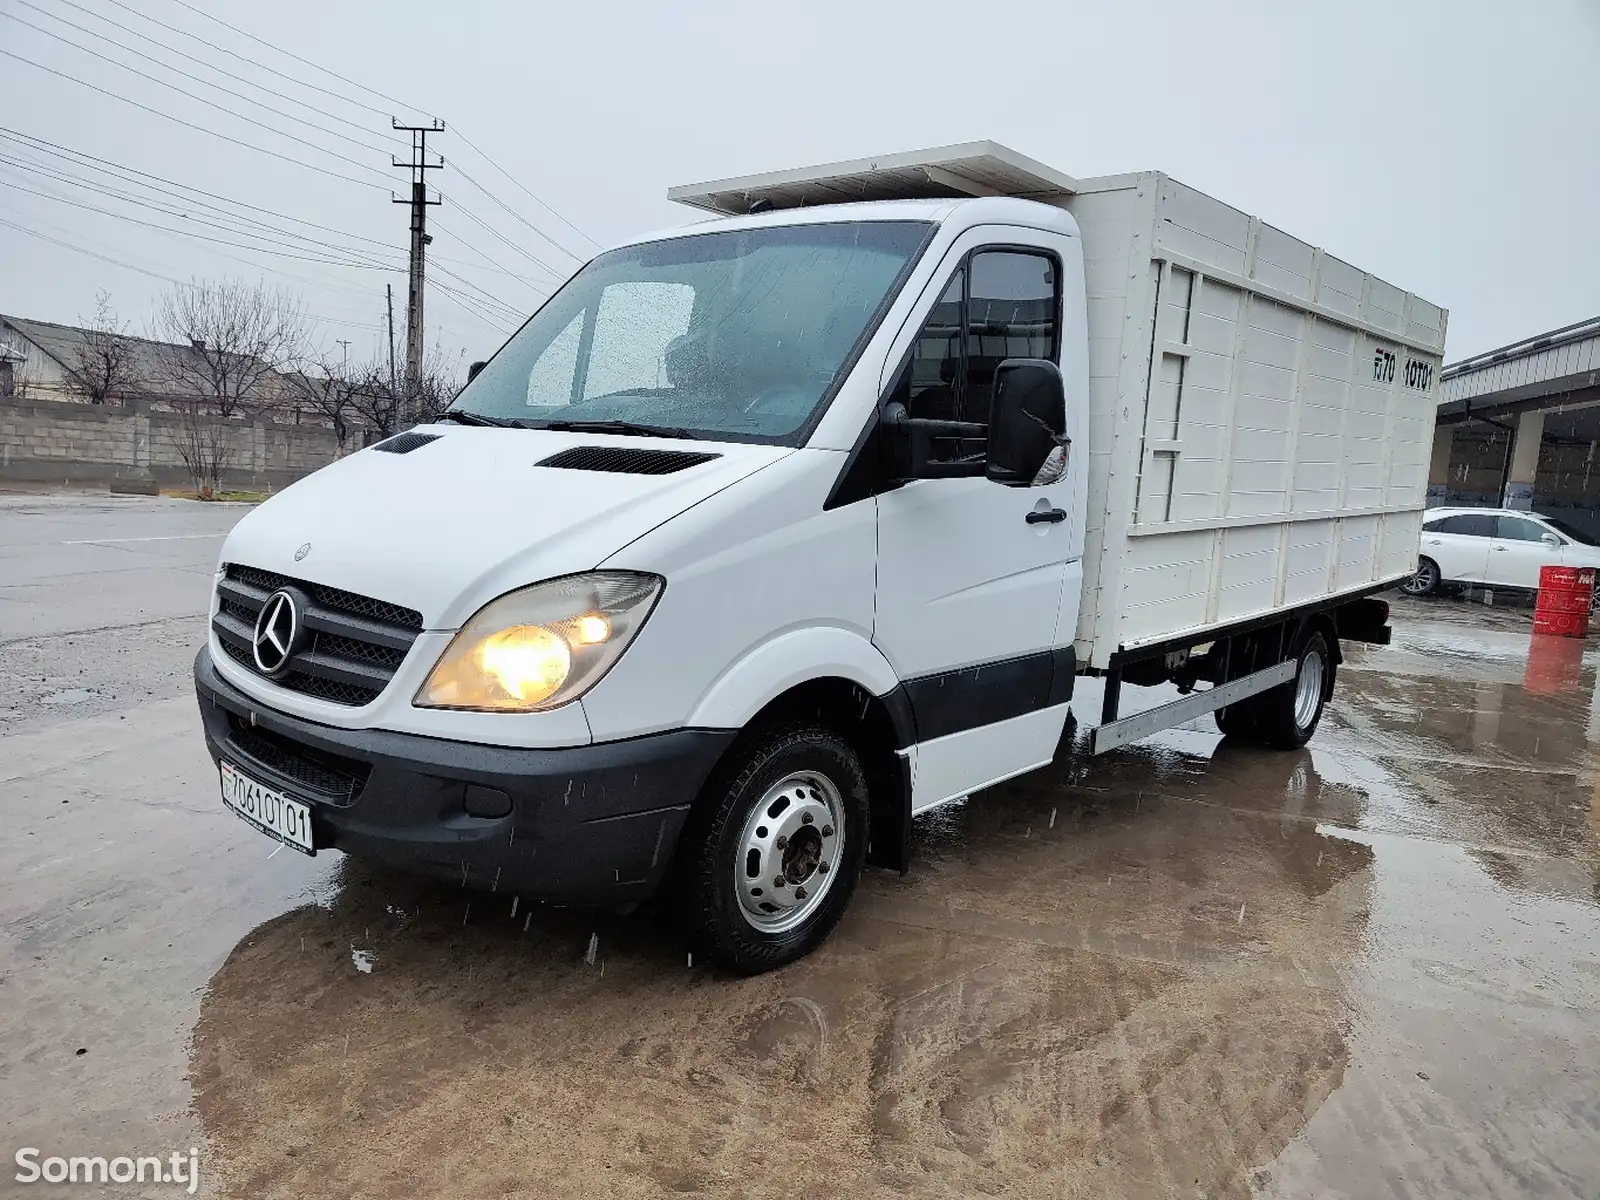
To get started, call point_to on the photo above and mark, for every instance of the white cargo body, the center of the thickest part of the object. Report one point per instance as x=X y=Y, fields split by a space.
x=1260 y=412
x=1261 y=417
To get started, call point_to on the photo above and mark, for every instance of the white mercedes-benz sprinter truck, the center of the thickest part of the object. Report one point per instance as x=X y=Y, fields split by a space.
x=766 y=534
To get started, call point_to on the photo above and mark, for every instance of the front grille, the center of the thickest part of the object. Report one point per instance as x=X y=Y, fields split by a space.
x=352 y=644
x=333 y=777
x=360 y=606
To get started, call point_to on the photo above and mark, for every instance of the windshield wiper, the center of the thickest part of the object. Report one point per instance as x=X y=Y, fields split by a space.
x=472 y=418
x=666 y=431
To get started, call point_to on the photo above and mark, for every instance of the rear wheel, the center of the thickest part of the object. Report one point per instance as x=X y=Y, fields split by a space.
x=1286 y=716
x=1289 y=713
x=1425 y=582
x=775 y=849
x=1237 y=720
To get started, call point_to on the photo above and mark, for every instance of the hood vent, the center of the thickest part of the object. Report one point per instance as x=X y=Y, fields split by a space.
x=405 y=443
x=625 y=460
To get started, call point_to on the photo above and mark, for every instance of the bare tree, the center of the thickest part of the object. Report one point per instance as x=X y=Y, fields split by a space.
x=329 y=390
x=228 y=340
x=205 y=444
x=384 y=405
x=102 y=366
x=438 y=384
x=25 y=382
x=376 y=400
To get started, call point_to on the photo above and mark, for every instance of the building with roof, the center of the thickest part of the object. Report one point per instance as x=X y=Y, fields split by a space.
x=39 y=359
x=1519 y=427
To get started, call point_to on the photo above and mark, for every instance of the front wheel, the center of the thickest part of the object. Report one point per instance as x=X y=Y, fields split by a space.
x=774 y=850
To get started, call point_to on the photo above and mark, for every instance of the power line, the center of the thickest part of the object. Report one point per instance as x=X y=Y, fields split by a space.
x=495 y=233
x=199 y=61
x=480 y=296
x=252 y=62
x=116 y=262
x=492 y=320
x=483 y=306
x=362 y=87
x=190 y=124
x=466 y=141
x=514 y=213
x=238 y=116
x=200 y=236
x=122 y=173
x=368 y=258
x=290 y=54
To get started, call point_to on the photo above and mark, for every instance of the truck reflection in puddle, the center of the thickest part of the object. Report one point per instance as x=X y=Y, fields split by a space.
x=1145 y=991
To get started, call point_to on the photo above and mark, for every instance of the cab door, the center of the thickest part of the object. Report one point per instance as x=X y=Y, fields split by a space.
x=971 y=574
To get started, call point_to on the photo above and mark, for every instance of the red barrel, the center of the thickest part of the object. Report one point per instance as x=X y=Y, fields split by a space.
x=1566 y=595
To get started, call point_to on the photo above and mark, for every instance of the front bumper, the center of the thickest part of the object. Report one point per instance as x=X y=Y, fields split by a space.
x=590 y=824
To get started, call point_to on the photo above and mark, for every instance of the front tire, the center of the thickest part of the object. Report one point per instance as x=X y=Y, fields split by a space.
x=774 y=850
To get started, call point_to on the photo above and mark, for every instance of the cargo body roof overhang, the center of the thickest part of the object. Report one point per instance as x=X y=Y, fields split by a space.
x=943 y=173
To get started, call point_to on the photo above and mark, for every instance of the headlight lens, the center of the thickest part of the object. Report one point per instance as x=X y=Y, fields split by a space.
x=542 y=646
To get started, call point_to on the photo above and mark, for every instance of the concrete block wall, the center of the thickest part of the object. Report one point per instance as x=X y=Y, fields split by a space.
x=52 y=441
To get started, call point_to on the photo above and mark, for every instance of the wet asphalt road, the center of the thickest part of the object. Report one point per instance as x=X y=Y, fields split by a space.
x=1369 y=969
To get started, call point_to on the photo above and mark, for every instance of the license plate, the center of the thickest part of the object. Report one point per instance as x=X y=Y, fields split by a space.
x=269 y=811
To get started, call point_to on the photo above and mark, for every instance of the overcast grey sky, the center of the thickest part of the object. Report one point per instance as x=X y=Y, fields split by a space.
x=1448 y=145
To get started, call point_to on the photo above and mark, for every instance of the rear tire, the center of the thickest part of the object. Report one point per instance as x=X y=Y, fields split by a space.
x=1288 y=714
x=774 y=848
x=1238 y=721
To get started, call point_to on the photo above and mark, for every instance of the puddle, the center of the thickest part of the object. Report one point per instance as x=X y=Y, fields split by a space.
x=1189 y=966
x=70 y=696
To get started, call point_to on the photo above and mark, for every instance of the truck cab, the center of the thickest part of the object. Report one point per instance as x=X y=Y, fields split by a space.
x=760 y=537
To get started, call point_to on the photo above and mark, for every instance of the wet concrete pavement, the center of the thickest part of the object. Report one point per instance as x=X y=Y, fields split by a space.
x=1186 y=969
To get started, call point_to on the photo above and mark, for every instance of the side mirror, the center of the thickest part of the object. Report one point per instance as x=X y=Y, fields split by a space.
x=1550 y=539
x=472 y=371
x=1027 y=421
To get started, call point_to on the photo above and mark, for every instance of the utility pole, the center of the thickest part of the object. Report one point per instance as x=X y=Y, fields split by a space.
x=419 y=166
x=344 y=344
x=389 y=289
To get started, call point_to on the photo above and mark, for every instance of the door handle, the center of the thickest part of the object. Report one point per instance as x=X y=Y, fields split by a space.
x=1501 y=549
x=1052 y=515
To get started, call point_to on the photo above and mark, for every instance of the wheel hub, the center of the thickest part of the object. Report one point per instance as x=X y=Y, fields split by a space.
x=788 y=851
x=1308 y=690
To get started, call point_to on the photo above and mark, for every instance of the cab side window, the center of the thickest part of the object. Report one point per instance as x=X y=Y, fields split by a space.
x=999 y=304
x=1011 y=313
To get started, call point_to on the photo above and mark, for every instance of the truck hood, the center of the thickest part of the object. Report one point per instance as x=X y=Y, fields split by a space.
x=468 y=516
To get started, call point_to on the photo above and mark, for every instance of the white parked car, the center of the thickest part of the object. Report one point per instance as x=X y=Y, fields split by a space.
x=1495 y=547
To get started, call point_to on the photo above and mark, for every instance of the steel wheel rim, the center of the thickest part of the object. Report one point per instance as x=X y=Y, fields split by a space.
x=1308 y=690
x=789 y=852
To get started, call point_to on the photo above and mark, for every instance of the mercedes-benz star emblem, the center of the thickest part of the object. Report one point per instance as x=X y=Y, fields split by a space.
x=277 y=629
x=302 y=552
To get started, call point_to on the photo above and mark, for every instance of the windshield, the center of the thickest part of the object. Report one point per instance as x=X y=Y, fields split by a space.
x=1577 y=535
x=734 y=336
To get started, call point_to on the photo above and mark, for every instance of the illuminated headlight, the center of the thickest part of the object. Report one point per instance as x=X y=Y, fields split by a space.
x=542 y=646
